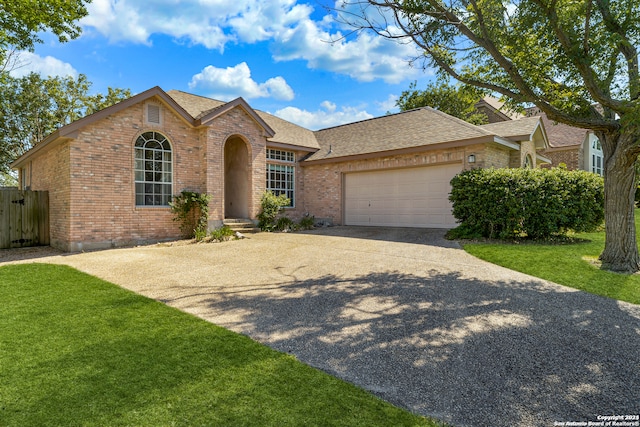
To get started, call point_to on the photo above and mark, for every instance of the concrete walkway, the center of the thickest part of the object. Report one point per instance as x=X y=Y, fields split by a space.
x=407 y=315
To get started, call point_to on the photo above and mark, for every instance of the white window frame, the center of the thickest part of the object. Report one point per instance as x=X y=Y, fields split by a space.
x=153 y=170
x=281 y=174
x=597 y=157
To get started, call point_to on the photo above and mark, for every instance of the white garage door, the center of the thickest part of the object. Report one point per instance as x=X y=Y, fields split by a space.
x=414 y=197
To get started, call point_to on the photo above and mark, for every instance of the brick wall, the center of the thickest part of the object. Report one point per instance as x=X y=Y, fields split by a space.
x=49 y=168
x=570 y=157
x=234 y=124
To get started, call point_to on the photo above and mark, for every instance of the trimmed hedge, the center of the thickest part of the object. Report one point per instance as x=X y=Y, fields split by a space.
x=536 y=203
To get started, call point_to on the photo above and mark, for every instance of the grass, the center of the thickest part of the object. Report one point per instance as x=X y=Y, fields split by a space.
x=569 y=264
x=79 y=351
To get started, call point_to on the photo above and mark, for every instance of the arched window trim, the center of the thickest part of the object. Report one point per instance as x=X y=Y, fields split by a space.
x=153 y=169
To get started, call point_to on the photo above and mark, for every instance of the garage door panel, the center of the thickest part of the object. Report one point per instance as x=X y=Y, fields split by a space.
x=416 y=197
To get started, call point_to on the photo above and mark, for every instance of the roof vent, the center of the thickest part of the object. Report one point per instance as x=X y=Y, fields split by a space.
x=153 y=114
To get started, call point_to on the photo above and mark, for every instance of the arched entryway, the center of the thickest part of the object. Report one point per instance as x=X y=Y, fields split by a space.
x=236 y=178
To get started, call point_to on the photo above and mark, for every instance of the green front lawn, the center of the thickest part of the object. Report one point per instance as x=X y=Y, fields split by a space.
x=572 y=265
x=75 y=350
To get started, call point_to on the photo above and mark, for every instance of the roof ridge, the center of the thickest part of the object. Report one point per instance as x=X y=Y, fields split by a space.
x=196 y=95
x=459 y=120
x=373 y=118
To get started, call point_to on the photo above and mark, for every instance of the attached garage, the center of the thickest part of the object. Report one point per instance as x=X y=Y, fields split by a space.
x=413 y=197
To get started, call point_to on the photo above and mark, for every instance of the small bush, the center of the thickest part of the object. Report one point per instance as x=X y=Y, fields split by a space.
x=307 y=223
x=272 y=205
x=199 y=235
x=285 y=224
x=222 y=234
x=535 y=203
x=192 y=210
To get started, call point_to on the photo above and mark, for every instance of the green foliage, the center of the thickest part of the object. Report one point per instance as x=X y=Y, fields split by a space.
x=222 y=234
x=192 y=210
x=21 y=21
x=272 y=205
x=537 y=203
x=32 y=107
x=307 y=223
x=456 y=100
x=79 y=351
x=285 y=224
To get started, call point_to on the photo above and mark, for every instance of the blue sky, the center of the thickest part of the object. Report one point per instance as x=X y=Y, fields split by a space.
x=291 y=58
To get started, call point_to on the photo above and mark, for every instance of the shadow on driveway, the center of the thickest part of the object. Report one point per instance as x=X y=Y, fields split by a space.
x=470 y=352
x=421 y=236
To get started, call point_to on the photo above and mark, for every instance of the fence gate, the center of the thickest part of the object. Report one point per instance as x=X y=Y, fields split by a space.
x=24 y=218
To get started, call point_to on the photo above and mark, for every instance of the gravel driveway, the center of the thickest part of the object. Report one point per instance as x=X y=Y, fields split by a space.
x=407 y=315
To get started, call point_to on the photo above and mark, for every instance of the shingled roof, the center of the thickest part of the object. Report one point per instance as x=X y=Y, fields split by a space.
x=410 y=129
x=285 y=132
x=563 y=136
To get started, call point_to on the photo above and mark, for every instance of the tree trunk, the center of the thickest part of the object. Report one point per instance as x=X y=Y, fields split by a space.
x=620 y=248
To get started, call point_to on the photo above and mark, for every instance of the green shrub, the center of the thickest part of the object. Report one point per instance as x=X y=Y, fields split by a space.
x=307 y=223
x=222 y=234
x=285 y=224
x=192 y=210
x=272 y=205
x=199 y=235
x=536 y=203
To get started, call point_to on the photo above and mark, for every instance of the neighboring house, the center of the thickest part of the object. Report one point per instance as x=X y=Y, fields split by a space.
x=577 y=148
x=574 y=147
x=110 y=175
x=495 y=110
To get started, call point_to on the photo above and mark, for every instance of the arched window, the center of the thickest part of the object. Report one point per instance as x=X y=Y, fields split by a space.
x=528 y=161
x=153 y=170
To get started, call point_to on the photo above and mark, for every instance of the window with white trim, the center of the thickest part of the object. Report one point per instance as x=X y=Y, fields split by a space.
x=153 y=170
x=281 y=173
x=597 y=157
x=285 y=156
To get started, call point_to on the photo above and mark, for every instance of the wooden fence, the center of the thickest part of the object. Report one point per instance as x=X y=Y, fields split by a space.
x=24 y=218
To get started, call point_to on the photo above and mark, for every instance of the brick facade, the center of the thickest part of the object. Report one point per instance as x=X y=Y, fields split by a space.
x=91 y=184
x=570 y=156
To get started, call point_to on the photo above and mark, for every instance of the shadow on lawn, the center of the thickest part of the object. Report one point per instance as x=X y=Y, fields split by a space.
x=470 y=352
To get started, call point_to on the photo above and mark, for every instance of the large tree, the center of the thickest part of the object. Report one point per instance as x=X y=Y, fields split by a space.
x=577 y=60
x=32 y=107
x=456 y=100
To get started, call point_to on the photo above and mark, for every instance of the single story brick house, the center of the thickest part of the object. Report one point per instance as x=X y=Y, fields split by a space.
x=110 y=175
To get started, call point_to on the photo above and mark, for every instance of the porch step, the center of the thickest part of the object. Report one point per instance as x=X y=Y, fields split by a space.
x=241 y=225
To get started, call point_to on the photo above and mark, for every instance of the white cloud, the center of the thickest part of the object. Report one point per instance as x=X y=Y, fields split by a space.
x=321 y=119
x=28 y=62
x=287 y=26
x=389 y=104
x=231 y=82
x=364 y=58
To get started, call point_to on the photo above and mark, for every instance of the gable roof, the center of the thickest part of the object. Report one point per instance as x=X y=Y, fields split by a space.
x=408 y=131
x=524 y=129
x=71 y=130
x=285 y=133
x=497 y=107
x=402 y=131
x=560 y=135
